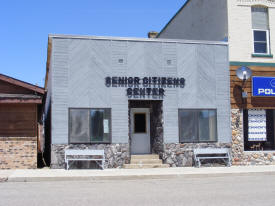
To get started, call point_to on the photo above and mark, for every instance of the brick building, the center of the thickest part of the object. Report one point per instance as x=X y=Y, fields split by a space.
x=20 y=115
x=249 y=28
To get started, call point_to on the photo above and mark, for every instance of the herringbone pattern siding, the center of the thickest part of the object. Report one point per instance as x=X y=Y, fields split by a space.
x=80 y=66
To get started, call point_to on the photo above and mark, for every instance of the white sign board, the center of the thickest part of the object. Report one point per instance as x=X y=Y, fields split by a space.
x=106 y=126
x=256 y=125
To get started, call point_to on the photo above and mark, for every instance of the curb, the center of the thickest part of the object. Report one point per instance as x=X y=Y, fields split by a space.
x=130 y=177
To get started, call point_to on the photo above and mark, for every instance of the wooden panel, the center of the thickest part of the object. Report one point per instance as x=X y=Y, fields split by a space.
x=18 y=120
x=251 y=102
x=21 y=84
x=8 y=88
x=17 y=107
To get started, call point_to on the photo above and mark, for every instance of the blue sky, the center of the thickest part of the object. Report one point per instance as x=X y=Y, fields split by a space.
x=25 y=26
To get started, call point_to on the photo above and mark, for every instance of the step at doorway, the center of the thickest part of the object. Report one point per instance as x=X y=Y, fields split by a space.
x=145 y=161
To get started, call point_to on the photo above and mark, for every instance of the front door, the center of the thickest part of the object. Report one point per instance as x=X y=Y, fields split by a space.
x=140 y=131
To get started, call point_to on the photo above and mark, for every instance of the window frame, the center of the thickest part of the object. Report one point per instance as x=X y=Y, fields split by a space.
x=267 y=31
x=267 y=42
x=197 y=126
x=90 y=142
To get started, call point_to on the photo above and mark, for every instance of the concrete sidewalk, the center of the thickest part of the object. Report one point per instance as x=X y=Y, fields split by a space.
x=36 y=175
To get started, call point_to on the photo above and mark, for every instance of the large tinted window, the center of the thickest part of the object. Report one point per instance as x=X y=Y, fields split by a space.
x=188 y=128
x=197 y=125
x=100 y=125
x=79 y=125
x=90 y=125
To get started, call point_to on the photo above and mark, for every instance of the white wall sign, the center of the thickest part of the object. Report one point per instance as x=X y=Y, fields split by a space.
x=256 y=125
x=106 y=126
x=269 y=3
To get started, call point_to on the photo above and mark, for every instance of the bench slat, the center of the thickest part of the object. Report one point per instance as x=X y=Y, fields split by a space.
x=84 y=152
x=82 y=159
x=211 y=151
x=224 y=157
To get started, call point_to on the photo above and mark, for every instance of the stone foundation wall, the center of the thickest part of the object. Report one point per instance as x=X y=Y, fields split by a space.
x=157 y=127
x=181 y=155
x=18 y=153
x=116 y=155
x=239 y=156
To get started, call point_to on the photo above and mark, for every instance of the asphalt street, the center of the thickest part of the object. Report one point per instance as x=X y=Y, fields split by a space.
x=229 y=190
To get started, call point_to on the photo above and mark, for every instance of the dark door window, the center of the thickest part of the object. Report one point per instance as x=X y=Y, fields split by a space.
x=140 y=123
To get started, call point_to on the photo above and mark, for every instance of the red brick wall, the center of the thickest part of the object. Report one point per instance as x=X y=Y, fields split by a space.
x=18 y=152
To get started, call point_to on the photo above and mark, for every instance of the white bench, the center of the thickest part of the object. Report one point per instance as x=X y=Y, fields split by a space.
x=84 y=155
x=212 y=153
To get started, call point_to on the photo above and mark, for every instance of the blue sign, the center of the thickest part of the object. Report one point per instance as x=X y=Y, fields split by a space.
x=263 y=86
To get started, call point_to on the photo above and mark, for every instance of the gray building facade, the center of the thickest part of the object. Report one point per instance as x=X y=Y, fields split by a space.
x=198 y=20
x=95 y=85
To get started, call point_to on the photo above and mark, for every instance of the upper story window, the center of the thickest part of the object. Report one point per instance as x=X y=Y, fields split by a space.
x=260 y=27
